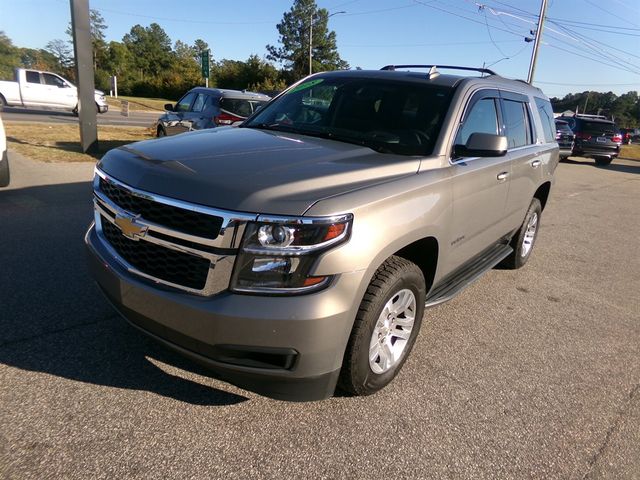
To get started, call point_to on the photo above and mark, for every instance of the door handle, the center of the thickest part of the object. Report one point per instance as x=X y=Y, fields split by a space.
x=502 y=176
x=536 y=163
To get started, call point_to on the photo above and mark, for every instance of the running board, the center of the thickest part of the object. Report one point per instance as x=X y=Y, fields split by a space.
x=465 y=277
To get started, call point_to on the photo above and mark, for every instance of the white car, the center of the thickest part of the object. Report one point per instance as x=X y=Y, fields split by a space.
x=4 y=159
x=33 y=88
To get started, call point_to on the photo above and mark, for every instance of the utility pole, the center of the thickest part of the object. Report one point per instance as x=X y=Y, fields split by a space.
x=80 y=26
x=310 y=43
x=534 y=54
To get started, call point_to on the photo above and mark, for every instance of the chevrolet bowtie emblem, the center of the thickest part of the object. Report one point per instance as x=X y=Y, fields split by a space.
x=129 y=227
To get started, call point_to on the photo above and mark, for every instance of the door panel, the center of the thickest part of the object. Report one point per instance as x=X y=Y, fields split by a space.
x=523 y=153
x=34 y=93
x=480 y=185
x=60 y=93
x=178 y=123
x=479 y=199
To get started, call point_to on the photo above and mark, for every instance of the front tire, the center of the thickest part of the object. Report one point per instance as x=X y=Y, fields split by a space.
x=161 y=132
x=5 y=177
x=523 y=241
x=385 y=328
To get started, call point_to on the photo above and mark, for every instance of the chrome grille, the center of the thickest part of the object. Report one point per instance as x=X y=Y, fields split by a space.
x=193 y=223
x=160 y=262
x=182 y=245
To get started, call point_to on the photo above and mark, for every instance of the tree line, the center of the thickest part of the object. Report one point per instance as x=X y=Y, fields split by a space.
x=148 y=63
x=624 y=109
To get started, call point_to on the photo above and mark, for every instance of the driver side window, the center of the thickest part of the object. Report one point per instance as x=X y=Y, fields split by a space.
x=482 y=118
x=184 y=103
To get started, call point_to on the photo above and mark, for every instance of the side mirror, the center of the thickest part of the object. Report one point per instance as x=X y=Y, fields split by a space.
x=482 y=145
x=168 y=107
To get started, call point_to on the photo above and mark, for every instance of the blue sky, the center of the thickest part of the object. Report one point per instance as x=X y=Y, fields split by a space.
x=587 y=45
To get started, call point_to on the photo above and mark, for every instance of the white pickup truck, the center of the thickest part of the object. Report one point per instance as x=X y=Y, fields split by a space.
x=33 y=88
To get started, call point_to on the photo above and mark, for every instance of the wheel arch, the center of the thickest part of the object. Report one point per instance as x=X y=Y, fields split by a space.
x=542 y=193
x=424 y=253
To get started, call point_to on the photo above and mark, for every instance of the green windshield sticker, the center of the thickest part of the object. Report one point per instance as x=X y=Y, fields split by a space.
x=305 y=85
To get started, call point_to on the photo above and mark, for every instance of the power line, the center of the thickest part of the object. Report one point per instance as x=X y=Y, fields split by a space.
x=588 y=84
x=438 y=44
x=610 y=13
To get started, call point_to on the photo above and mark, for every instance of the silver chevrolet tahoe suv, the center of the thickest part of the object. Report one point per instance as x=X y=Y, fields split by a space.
x=297 y=253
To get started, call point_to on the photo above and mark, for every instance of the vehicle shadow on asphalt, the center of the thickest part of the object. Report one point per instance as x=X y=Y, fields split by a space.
x=39 y=111
x=54 y=320
x=613 y=166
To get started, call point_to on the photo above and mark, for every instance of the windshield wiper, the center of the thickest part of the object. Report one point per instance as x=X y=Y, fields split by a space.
x=277 y=127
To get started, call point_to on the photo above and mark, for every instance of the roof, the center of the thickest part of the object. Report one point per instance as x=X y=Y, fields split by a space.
x=225 y=92
x=442 y=79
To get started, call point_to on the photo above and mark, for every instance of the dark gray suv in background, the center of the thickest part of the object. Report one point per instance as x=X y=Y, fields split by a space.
x=202 y=108
x=298 y=252
x=595 y=137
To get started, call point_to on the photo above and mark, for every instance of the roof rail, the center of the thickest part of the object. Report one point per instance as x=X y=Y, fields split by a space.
x=585 y=115
x=449 y=67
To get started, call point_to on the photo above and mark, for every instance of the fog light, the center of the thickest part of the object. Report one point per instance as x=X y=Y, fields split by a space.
x=282 y=265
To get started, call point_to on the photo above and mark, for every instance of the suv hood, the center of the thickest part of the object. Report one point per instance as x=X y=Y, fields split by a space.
x=251 y=170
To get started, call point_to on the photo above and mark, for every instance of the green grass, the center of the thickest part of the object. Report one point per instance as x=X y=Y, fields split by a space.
x=139 y=103
x=631 y=152
x=61 y=143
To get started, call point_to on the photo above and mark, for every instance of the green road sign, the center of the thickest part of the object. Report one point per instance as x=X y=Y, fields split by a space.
x=204 y=62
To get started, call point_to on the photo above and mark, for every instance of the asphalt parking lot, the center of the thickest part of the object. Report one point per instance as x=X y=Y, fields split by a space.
x=527 y=374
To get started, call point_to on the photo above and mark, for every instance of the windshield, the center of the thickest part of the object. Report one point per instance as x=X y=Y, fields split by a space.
x=389 y=117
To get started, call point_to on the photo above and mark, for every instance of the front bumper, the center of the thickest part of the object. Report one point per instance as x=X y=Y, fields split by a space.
x=289 y=348
x=103 y=108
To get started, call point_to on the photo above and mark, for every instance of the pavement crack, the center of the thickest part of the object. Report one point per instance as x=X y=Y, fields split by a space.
x=53 y=332
x=615 y=425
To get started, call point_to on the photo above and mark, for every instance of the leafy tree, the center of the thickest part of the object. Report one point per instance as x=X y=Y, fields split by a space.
x=625 y=109
x=150 y=48
x=253 y=74
x=9 y=57
x=62 y=52
x=294 y=29
x=98 y=27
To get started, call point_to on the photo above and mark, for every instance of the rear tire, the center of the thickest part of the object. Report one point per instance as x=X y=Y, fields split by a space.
x=3 y=103
x=603 y=161
x=385 y=328
x=524 y=241
x=5 y=177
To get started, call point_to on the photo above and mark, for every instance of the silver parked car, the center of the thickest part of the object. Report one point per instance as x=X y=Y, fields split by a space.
x=297 y=253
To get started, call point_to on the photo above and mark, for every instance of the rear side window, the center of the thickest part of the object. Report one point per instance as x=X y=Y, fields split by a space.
x=516 y=120
x=236 y=106
x=546 y=116
x=198 y=105
x=482 y=118
x=33 y=77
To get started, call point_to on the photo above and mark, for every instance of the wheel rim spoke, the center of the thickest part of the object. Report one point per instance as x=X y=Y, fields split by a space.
x=392 y=331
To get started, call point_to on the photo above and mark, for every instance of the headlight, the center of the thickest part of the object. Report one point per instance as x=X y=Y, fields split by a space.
x=277 y=254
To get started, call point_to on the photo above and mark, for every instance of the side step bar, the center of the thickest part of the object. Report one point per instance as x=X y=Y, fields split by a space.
x=467 y=275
